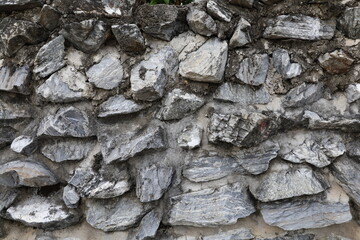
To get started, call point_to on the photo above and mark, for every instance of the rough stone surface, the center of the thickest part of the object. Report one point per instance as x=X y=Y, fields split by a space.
x=283 y=65
x=336 y=62
x=253 y=70
x=239 y=234
x=148 y=226
x=241 y=36
x=129 y=37
x=243 y=3
x=303 y=94
x=216 y=9
x=353 y=149
x=49 y=17
x=190 y=137
x=207 y=64
x=24 y=144
x=353 y=92
x=71 y=197
x=119 y=105
x=19 y=5
x=7 y=135
x=349 y=22
x=15 y=79
x=200 y=22
x=14 y=110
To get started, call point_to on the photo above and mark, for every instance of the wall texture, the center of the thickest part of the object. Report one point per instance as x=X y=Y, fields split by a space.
x=218 y=120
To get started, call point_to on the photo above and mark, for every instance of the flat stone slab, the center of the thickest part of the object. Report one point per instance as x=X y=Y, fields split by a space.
x=119 y=105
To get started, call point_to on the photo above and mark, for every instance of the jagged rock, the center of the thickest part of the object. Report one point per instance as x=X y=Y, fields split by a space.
x=67 y=85
x=253 y=70
x=243 y=3
x=299 y=27
x=115 y=214
x=313 y=212
x=200 y=22
x=346 y=124
x=179 y=104
x=7 y=197
x=243 y=94
x=284 y=67
x=7 y=135
x=242 y=129
x=241 y=36
x=353 y=150
x=207 y=64
x=67 y=149
x=50 y=57
x=93 y=185
x=353 y=92
x=211 y=207
x=238 y=234
x=217 y=10
x=129 y=37
x=117 y=145
x=87 y=36
x=149 y=78
x=148 y=226
x=49 y=17
x=162 y=21
x=26 y=173
x=24 y=144
x=290 y=181
x=153 y=182
x=19 y=5
x=67 y=122
x=190 y=137
x=107 y=74
x=349 y=22
x=42 y=212
x=118 y=105
x=16 y=33
x=336 y=62
x=186 y=43
x=14 y=110
x=15 y=79
x=304 y=94
x=71 y=197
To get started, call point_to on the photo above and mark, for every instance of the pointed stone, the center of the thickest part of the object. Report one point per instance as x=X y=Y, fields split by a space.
x=253 y=71
x=281 y=61
x=218 y=11
x=15 y=79
x=129 y=38
x=241 y=36
x=24 y=144
x=119 y=105
x=303 y=94
x=200 y=22
x=148 y=226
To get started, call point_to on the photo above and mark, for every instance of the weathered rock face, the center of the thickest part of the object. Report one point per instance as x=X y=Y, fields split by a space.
x=281 y=61
x=190 y=137
x=253 y=70
x=18 y=5
x=349 y=22
x=240 y=234
x=7 y=135
x=217 y=10
x=241 y=36
x=119 y=105
x=7 y=197
x=13 y=79
x=200 y=22
x=148 y=226
x=353 y=93
x=227 y=205
x=24 y=144
x=336 y=62
x=14 y=110
x=129 y=37
x=71 y=197
x=303 y=94
x=49 y=17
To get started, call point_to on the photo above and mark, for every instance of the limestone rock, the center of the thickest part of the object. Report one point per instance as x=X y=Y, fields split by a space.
x=107 y=74
x=25 y=173
x=67 y=122
x=353 y=92
x=241 y=36
x=243 y=94
x=162 y=21
x=24 y=144
x=115 y=214
x=148 y=226
x=87 y=36
x=217 y=10
x=200 y=22
x=336 y=62
x=19 y=5
x=303 y=94
x=299 y=27
x=190 y=137
x=238 y=234
x=289 y=182
x=129 y=37
x=243 y=3
x=59 y=150
x=186 y=43
x=207 y=64
x=67 y=85
x=349 y=22
x=284 y=67
x=15 y=79
x=149 y=78
x=153 y=182
x=7 y=135
x=49 y=17
x=253 y=70
x=7 y=197
x=14 y=110
x=71 y=197
x=119 y=105
x=50 y=57
x=16 y=33
x=42 y=212
x=211 y=207
x=179 y=104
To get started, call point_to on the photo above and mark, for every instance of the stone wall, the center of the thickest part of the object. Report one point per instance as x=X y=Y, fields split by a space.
x=218 y=120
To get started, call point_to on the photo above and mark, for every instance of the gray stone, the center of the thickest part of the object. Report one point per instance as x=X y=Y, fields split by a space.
x=67 y=85
x=67 y=122
x=349 y=22
x=304 y=94
x=162 y=21
x=353 y=92
x=345 y=124
x=70 y=197
x=25 y=173
x=292 y=236
x=24 y=144
x=179 y=104
x=119 y=105
x=207 y=64
x=336 y=237
x=148 y=226
x=14 y=34
x=253 y=71
x=243 y=94
x=50 y=57
x=19 y=5
x=15 y=79
x=287 y=182
x=7 y=135
x=7 y=197
x=236 y=234
x=87 y=36
x=336 y=62
x=129 y=38
x=353 y=149
x=201 y=23
x=153 y=182
x=211 y=207
x=49 y=17
x=43 y=212
x=241 y=36
x=115 y=214
x=14 y=110
x=190 y=137
x=284 y=67
x=243 y=3
x=59 y=150
x=218 y=11
x=149 y=78
x=300 y=27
